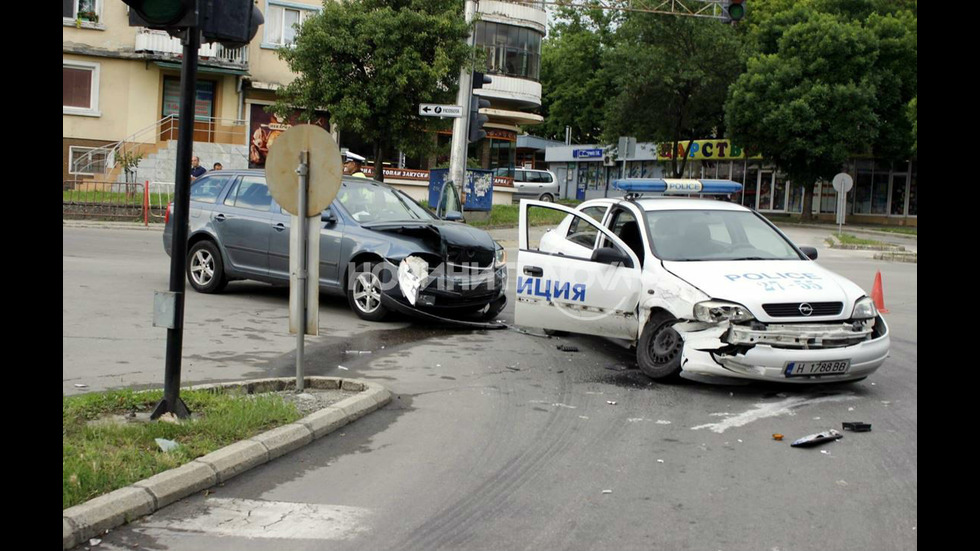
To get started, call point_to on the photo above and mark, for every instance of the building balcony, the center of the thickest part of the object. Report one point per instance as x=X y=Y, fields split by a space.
x=161 y=44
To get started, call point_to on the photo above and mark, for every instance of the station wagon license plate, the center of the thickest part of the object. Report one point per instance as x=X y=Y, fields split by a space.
x=830 y=367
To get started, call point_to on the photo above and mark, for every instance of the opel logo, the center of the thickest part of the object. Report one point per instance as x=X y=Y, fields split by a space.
x=806 y=309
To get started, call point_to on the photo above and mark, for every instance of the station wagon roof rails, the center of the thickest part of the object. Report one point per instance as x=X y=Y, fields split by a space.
x=635 y=187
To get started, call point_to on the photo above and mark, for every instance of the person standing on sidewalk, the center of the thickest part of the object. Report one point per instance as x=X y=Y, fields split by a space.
x=196 y=169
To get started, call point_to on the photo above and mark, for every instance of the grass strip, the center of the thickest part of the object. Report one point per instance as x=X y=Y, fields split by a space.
x=99 y=456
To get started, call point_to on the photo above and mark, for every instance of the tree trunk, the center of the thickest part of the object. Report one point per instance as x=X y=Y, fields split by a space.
x=808 y=190
x=379 y=171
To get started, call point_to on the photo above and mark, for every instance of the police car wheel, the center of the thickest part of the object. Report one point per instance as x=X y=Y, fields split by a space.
x=364 y=290
x=658 y=353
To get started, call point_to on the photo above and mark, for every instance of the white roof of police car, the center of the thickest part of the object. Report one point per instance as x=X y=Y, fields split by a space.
x=685 y=203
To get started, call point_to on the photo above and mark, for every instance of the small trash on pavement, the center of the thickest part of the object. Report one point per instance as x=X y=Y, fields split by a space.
x=777 y=436
x=610 y=402
x=357 y=352
x=857 y=426
x=607 y=491
x=817 y=439
x=80 y=385
x=94 y=541
x=342 y=367
x=512 y=368
x=567 y=348
x=166 y=445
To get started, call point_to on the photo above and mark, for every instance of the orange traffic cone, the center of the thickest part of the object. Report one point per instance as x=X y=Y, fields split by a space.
x=878 y=295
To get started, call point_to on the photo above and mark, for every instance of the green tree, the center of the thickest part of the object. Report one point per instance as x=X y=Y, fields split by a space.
x=370 y=63
x=574 y=83
x=672 y=75
x=831 y=78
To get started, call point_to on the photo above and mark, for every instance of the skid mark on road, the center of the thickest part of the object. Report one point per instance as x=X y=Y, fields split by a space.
x=775 y=409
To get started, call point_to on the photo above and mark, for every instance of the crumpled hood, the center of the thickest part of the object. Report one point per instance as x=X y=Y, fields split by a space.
x=457 y=242
x=757 y=282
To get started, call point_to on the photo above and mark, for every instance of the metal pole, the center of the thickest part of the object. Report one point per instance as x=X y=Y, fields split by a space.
x=303 y=170
x=171 y=402
x=457 y=158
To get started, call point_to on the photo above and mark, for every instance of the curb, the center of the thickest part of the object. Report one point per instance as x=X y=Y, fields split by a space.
x=95 y=516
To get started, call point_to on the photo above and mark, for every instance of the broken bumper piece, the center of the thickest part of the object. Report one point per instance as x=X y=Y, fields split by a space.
x=710 y=351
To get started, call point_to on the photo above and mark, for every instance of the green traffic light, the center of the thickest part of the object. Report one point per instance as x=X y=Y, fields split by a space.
x=736 y=12
x=162 y=12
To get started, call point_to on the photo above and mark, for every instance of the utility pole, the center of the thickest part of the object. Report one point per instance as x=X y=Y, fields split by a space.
x=457 y=158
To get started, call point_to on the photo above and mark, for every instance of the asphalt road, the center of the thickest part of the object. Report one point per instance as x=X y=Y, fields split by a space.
x=497 y=440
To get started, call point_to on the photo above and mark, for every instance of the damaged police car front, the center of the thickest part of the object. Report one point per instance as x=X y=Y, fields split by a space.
x=701 y=288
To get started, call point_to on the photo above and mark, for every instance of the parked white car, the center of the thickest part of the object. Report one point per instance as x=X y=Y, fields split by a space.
x=700 y=287
x=532 y=184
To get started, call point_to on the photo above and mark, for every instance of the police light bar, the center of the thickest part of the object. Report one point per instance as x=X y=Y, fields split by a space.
x=676 y=186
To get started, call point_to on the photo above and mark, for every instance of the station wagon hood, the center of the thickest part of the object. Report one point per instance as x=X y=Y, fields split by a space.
x=454 y=241
x=756 y=283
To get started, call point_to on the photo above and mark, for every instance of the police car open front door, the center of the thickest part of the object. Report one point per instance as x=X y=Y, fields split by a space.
x=570 y=280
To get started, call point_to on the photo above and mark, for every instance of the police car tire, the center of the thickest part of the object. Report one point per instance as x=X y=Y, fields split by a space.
x=658 y=352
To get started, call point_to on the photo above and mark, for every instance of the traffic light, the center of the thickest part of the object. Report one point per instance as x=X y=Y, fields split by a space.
x=476 y=131
x=735 y=10
x=164 y=15
x=233 y=23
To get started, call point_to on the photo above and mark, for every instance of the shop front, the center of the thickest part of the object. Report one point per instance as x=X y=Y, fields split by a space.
x=883 y=193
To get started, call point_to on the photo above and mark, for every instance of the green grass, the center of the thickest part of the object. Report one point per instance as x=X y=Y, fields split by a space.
x=848 y=239
x=508 y=216
x=907 y=230
x=99 y=458
x=157 y=200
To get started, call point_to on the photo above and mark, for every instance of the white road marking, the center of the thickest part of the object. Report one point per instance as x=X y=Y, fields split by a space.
x=247 y=518
x=765 y=410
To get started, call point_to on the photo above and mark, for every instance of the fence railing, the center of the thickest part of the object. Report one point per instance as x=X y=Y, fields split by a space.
x=138 y=202
x=101 y=161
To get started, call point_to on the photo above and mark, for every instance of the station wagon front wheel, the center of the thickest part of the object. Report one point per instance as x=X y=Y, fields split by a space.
x=364 y=290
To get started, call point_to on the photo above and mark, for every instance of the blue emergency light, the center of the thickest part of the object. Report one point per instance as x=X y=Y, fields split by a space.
x=676 y=186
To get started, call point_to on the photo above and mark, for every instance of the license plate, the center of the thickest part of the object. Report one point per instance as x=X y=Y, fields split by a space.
x=829 y=367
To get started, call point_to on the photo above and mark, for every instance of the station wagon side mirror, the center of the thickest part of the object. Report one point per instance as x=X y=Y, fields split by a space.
x=329 y=217
x=810 y=252
x=607 y=255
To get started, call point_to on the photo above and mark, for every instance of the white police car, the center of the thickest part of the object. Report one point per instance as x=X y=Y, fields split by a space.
x=700 y=287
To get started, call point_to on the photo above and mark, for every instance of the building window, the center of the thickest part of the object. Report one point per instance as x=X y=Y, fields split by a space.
x=281 y=23
x=204 y=104
x=511 y=50
x=80 y=88
x=81 y=10
x=870 y=193
x=86 y=161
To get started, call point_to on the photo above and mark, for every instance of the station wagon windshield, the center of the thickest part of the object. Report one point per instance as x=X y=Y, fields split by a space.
x=715 y=235
x=371 y=202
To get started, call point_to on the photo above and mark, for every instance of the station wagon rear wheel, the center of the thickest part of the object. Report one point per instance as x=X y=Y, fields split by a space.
x=658 y=353
x=546 y=197
x=205 y=269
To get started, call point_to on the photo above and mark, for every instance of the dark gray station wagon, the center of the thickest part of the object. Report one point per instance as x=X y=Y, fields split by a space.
x=377 y=245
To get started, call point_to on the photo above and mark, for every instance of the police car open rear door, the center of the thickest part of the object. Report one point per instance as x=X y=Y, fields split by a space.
x=590 y=288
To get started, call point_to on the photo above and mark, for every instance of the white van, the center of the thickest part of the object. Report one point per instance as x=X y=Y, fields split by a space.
x=532 y=184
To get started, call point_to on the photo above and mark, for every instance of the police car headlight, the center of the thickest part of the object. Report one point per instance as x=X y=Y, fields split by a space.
x=864 y=309
x=500 y=255
x=716 y=311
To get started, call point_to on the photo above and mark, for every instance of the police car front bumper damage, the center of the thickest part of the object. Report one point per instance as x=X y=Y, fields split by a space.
x=764 y=351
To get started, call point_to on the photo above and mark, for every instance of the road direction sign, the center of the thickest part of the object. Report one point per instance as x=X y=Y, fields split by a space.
x=435 y=110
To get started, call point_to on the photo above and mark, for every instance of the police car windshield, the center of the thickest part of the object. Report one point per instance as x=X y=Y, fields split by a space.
x=716 y=235
x=372 y=202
